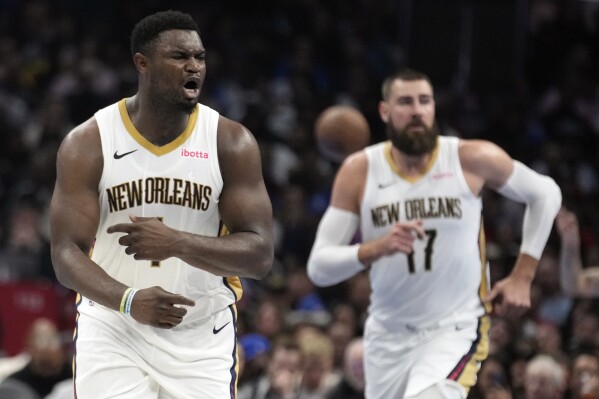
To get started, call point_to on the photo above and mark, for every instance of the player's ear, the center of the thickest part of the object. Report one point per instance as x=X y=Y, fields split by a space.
x=140 y=61
x=384 y=111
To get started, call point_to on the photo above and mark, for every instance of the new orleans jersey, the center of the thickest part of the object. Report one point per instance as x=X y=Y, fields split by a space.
x=443 y=279
x=180 y=184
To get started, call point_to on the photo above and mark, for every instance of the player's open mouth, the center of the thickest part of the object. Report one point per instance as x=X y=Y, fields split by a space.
x=192 y=89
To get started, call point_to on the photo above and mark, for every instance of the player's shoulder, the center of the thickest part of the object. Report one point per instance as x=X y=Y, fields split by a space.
x=234 y=139
x=354 y=165
x=475 y=145
x=83 y=137
x=82 y=146
x=233 y=131
x=228 y=126
x=486 y=160
x=477 y=150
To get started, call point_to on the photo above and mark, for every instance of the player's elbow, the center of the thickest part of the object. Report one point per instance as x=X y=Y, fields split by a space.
x=330 y=264
x=316 y=271
x=264 y=261
x=62 y=276
x=315 y=275
x=548 y=196
x=263 y=268
x=554 y=195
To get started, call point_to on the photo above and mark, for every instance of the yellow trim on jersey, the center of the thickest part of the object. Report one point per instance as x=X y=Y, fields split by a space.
x=391 y=162
x=468 y=375
x=483 y=290
x=90 y=253
x=236 y=318
x=233 y=282
x=78 y=299
x=467 y=378
x=155 y=149
x=224 y=231
x=235 y=285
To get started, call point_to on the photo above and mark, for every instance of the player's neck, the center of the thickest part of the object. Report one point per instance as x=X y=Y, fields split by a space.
x=158 y=126
x=411 y=165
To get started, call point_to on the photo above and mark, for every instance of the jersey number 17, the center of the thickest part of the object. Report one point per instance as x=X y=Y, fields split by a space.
x=428 y=252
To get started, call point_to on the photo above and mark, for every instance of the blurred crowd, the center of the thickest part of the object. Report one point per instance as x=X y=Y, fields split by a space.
x=274 y=70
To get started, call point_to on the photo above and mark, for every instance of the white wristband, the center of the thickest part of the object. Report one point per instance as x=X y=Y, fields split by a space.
x=129 y=301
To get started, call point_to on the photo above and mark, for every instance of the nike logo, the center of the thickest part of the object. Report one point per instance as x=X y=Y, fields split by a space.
x=388 y=184
x=217 y=330
x=119 y=156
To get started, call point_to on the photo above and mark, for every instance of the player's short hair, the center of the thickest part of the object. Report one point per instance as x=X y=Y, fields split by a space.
x=406 y=74
x=148 y=29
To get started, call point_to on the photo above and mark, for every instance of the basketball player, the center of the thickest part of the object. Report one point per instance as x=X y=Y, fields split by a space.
x=417 y=202
x=576 y=280
x=149 y=187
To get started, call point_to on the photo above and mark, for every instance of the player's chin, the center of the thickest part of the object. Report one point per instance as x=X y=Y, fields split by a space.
x=189 y=104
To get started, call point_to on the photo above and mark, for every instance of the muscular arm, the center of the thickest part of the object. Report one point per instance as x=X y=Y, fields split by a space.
x=74 y=217
x=245 y=209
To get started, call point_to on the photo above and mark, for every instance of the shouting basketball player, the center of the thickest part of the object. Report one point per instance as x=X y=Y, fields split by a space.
x=147 y=190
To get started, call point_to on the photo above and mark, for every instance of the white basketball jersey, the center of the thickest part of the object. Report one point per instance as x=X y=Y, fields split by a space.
x=180 y=183
x=446 y=275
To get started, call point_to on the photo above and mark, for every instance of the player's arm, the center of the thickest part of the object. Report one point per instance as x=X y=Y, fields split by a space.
x=74 y=219
x=245 y=209
x=486 y=164
x=575 y=280
x=332 y=258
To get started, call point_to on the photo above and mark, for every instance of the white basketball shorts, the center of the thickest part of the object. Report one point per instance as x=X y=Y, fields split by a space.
x=403 y=363
x=120 y=358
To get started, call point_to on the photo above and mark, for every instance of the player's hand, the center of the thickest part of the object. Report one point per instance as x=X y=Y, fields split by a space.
x=145 y=238
x=159 y=308
x=566 y=223
x=401 y=237
x=510 y=296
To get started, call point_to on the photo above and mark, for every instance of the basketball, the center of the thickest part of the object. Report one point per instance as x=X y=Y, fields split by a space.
x=340 y=130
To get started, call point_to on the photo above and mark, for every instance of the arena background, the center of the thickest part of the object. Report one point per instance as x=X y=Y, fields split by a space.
x=524 y=74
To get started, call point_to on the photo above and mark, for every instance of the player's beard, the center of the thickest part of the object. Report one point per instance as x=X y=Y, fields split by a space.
x=170 y=99
x=412 y=142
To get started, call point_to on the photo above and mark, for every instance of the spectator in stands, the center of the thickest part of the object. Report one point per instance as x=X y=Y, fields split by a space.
x=584 y=376
x=49 y=363
x=544 y=378
x=256 y=350
x=282 y=378
x=51 y=49
x=318 y=377
x=576 y=279
x=351 y=385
